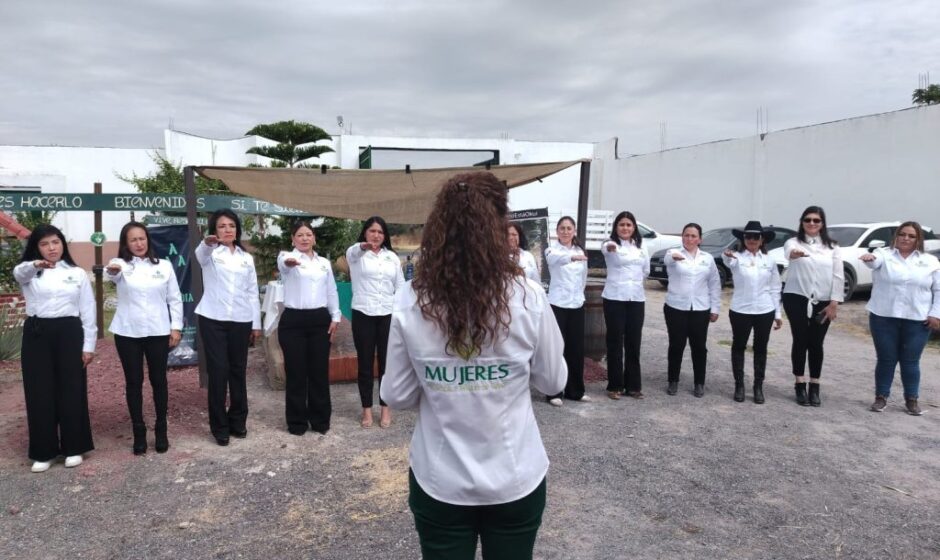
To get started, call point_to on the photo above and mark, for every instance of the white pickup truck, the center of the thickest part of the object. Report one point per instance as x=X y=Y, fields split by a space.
x=857 y=239
x=599 y=224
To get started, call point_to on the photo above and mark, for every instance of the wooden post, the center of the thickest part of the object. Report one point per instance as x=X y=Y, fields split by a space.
x=195 y=237
x=583 y=200
x=98 y=269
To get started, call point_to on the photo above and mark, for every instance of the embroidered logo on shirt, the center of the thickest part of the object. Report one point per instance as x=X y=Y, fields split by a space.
x=466 y=378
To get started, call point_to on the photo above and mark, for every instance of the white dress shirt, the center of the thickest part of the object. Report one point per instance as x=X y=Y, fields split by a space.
x=627 y=269
x=145 y=291
x=694 y=284
x=904 y=288
x=63 y=291
x=756 y=283
x=309 y=285
x=230 y=287
x=475 y=440
x=375 y=278
x=528 y=265
x=819 y=275
x=568 y=277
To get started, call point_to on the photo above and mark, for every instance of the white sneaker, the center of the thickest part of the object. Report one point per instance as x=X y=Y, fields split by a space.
x=585 y=398
x=40 y=466
x=73 y=461
x=555 y=402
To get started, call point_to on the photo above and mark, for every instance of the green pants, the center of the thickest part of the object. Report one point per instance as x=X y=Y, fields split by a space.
x=449 y=532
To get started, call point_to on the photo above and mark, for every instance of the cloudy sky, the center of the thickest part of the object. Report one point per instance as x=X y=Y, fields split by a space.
x=117 y=72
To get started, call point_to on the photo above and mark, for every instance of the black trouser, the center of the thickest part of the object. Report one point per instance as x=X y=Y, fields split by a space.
x=571 y=324
x=450 y=532
x=225 y=344
x=370 y=334
x=624 y=321
x=55 y=385
x=132 y=351
x=691 y=326
x=808 y=334
x=741 y=325
x=305 y=340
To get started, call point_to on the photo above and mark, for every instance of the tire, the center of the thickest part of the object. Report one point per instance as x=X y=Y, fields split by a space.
x=724 y=275
x=850 y=283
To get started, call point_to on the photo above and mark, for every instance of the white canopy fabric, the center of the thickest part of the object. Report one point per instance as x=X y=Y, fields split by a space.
x=357 y=194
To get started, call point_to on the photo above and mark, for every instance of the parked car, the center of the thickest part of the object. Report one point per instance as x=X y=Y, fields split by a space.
x=715 y=242
x=599 y=224
x=857 y=239
x=655 y=242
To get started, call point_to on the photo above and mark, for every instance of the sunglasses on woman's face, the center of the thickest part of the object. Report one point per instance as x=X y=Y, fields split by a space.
x=907 y=235
x=752 y=236
x=812 y=221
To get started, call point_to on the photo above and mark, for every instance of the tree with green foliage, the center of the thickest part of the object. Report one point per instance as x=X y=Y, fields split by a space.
x=292 y=142
x=168 y=179
x=11 y=248
x=929 y=95
x=334 y=235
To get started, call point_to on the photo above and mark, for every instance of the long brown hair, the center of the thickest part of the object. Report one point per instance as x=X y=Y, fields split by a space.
x=463 y=275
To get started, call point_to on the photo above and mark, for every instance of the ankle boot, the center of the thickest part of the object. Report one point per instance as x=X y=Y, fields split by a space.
x=801 y=394
x=814 y=394
x=739 y=391
x=140 y=439
x=737 y=369
x=161 y=443
x=758 y=392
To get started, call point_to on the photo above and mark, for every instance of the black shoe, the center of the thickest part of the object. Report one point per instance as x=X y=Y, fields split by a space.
x=221 y=440
x=739 y=392
x=814 y=394
x=801 y=394
x=140 y=439
x=758 y=392
x=673 y=388
x=162 y=443
x=240 y=434
x=698 y=390
x=297 y=431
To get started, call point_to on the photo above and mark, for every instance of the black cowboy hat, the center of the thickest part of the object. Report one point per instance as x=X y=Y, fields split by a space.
x=754 y=226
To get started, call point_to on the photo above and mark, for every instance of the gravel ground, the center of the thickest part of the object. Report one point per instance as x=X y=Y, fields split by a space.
x=665 y=477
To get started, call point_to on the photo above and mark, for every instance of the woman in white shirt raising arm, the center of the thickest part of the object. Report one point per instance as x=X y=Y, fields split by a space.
x=468 y=335
x=519 y=253
x=628 y=265
x=903 y=309
x=376 y=274
x=58 y=344
x=811 y=298
x=229 y=321
x=147 y=323
x=567 y=265
x=305 y=332
x=693 y=300
x=755 y=304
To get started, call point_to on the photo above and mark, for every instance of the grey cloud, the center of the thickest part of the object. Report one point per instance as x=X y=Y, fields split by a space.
x=114 y=73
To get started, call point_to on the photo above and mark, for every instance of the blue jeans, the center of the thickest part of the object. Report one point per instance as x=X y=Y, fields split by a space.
x=897 y=341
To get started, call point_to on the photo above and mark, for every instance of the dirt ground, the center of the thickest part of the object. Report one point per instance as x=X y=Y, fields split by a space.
x=664 y=477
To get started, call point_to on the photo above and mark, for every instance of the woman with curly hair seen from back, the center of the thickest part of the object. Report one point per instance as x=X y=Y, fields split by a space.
x=468 y=335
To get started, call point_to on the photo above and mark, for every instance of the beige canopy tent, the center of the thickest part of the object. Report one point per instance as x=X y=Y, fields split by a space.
x=399 y=196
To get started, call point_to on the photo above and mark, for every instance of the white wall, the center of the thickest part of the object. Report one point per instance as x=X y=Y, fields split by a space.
x=57 y=169
x=873 y=168
x=187 y=149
